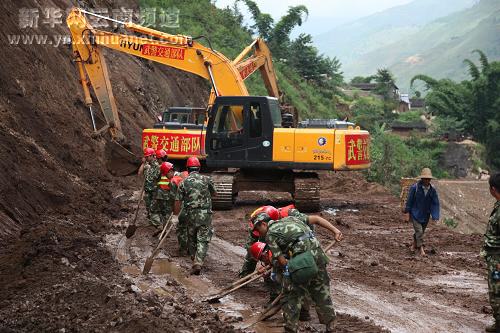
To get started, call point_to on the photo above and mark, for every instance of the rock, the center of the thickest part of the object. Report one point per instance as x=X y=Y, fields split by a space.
x=135 y=289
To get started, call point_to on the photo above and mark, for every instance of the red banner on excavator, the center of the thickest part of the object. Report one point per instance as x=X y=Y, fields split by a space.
x=176 y=144
x=357 y=149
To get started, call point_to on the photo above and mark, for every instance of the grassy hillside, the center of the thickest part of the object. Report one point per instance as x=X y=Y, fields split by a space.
x=224 y=29
x=351 y=41
x=438 y=49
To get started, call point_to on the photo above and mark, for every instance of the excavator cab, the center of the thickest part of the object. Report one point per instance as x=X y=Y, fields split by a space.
x=240 y=131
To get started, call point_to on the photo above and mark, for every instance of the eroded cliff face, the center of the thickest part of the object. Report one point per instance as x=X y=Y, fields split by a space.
x=49 y=161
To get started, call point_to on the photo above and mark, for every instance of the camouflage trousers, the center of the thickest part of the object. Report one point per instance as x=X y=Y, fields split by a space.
x=182 y=232
x=148 y=201
x=493 y=286
x=200 y=234
x=160 y=210
x=319 y=291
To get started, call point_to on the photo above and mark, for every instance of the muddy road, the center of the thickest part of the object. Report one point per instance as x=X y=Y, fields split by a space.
x=78 y=273
x=377 y=283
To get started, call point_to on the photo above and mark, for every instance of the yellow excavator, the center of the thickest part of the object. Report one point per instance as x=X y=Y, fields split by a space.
x=247 y=138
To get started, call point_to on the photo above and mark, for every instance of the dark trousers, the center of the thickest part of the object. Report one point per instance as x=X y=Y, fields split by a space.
x=419 y=229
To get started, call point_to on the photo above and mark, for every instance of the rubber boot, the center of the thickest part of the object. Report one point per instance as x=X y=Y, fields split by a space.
x=195 y=270
x=304 y=309
x=493 y=328
x=304 y=315
x=330 y=327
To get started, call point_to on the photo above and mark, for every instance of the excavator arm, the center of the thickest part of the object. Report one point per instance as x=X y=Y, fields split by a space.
x=261 y=60
x=181 y=52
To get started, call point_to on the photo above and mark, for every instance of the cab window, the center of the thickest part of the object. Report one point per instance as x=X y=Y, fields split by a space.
x=255 y=120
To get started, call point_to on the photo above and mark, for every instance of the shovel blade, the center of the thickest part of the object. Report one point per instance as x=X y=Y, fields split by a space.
x=147 y=266
x=213 y=300
x=130 y=230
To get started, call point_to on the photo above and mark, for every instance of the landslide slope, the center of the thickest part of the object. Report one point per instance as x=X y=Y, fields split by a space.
x=49 y=161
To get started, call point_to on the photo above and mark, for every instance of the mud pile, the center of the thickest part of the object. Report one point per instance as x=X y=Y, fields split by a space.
x=49 y=162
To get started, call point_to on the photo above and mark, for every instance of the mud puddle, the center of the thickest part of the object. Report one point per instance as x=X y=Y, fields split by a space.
x=458 y=282
x=168 y=273
x=335 y=211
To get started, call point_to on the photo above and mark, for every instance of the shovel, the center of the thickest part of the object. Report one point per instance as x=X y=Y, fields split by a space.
x=151 y=258
x=132 y=227
x=215 y=299
x=274 y=307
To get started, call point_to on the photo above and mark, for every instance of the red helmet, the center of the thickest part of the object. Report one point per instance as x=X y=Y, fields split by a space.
x=149 y=152
x=270 y=210
x=256 y=250
x=161 y=153
x=285 y=210
x=165 y=168
x=193 y=161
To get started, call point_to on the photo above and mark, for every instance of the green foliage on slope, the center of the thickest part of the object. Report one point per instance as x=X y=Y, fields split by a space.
x=473 y=104
x=308 y=79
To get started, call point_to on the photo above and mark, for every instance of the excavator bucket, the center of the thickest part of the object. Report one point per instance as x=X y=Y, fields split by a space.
x=120 y=161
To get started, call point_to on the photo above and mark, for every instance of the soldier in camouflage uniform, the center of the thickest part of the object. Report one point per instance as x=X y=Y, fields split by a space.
x=286 y=239
x=151 y=171
x=491 y=253
x=250 y=263
x=181 y=229
x=195 y=194
x=163 y=203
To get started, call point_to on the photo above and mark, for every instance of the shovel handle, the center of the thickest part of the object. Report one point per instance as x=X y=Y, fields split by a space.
x=162 y=240
x=329 y=246
x=243 y=279
x=165 y=226
x=241 y=285
x=138 y=205
x=274 y=307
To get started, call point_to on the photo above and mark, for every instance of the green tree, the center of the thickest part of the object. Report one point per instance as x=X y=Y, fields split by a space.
x=385 y=83
x=361 y=79
x=303 y=56
x=473 y=103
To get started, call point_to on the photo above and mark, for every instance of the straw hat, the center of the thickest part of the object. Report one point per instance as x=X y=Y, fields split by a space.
x=426 y=173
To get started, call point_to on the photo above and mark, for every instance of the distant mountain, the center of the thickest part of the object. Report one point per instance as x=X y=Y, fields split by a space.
x=353 y=40
x=438 y=48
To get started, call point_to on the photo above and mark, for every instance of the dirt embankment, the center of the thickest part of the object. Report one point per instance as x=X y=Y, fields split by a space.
x=466 y=204
x=56 y=197
x=50 y=163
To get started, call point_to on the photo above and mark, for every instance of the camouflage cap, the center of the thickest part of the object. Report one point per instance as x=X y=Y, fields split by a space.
x=261 y=217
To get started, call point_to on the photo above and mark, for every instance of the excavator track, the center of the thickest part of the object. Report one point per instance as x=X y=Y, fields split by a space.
x=223 y=183
x=307 y=191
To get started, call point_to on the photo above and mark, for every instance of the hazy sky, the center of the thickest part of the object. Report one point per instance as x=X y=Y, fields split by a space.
x=337 y=11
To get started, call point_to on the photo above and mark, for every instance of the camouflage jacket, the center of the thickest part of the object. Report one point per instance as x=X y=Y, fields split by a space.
x=195 y=192
x=492 y=235
x=282 y=239
x=151 y=176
